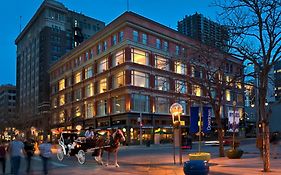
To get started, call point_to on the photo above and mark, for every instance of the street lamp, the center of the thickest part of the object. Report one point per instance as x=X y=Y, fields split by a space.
x=176 y=110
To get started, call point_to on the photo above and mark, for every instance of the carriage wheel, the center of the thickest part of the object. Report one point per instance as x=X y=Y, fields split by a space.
x=60 y=153
x=81 y=157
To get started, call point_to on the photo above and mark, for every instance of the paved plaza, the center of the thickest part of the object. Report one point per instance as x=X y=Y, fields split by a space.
x=158 y=160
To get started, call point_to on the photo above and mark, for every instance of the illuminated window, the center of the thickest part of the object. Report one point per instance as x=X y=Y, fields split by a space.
x=102 y=86
x=77 y=111
x=162 y=83
x=180 y=68
x=139 y=57
x=161 y=63
x=61 y=84
x=140 y=79
x=62 y=100
x=239 y=85
x=180 y=86
x=88 y=72
x=102 y=65
x=89 y=110
x=89 y=90
x=118 y=58
x=78 y=77
x=278 y=71
x=196 y=90
x=227 y=95
x=118 y=104
x=118 y=80
x=62 y=117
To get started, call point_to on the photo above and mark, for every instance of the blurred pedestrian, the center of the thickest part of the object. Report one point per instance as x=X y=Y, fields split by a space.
x=45 y=153
x=3 y=156
x=274 y=140
x=16 y=149
x=29 y=150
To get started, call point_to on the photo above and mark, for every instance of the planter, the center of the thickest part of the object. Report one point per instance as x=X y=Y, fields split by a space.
x=234 y=153
x=200 y=156
x=196 y=167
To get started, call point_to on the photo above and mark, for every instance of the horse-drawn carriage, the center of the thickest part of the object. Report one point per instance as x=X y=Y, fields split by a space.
x=74 y=144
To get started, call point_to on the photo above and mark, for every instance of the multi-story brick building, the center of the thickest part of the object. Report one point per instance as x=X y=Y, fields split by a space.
x=133 y=69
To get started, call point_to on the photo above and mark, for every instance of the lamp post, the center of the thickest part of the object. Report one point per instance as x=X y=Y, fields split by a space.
x=233 y=125
x=176 y=110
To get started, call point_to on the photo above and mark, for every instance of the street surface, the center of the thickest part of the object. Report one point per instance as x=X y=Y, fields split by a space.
x=158 y=160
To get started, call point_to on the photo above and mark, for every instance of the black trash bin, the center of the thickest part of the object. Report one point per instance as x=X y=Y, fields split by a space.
x=196 y=167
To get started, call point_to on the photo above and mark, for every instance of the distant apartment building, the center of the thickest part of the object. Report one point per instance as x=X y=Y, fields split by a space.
x=7 y=105
x=53 y=31
x=127 y=76
x=204 y=30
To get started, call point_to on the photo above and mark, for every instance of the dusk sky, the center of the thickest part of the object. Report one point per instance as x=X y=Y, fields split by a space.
x=166 y=12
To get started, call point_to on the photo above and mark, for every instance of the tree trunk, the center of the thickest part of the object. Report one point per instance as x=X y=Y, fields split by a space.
x=266 y=148
x=220 y=133
x=265 y=124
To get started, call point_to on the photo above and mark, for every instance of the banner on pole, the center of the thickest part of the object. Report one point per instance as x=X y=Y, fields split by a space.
x=194 y=118
x=207 y=119
x=233 y=124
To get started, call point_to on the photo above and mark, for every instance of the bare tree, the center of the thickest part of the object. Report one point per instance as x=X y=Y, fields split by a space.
x=255 y=28
x=209 y=73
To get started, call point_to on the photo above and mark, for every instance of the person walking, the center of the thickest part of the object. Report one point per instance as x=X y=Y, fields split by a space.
x=29 y=150
x=16 y=149
x=3 y=156
x=45 y=153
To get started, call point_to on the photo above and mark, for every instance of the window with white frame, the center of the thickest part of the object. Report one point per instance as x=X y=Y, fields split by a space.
x=177 y=50
x=144 y=38
x=102 y=107
x=62 y=99
x=180 y=86
x=196 y=90
x=88 y=72
x=140 y=79
x=121 y=36
x=161 y=63
x=89 y=90
x=140 y=103
x=118 y=58
x=104 y=45
x=165 y=46
x=78 y=77
x=180 y=68
x=158 y=43
x=78 y=94
x=89 y=110
x=102 y=65
x=162 y=83
x=77 y=111
x=162 y=105
x=61 y=84
x=99 y=48
x=118 y=80
x=139 y=56
x=135 y=36
x=114 y=39
x=118 y=104
x=102 y=85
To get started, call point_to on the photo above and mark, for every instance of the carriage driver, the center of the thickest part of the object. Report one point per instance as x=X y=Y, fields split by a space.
x=89 y=134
